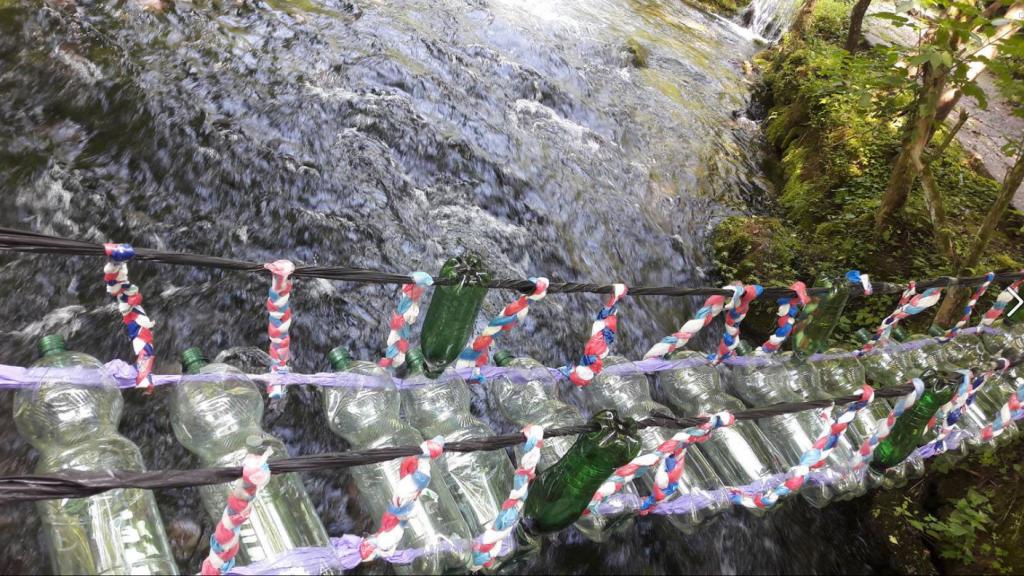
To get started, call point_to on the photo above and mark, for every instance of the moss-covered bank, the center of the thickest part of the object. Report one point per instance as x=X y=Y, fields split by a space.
x=834 y=128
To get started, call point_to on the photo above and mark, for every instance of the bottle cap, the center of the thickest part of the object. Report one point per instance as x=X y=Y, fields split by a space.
x=899 y=334
x=934 y=330
x=51 y=344
x=339 y=358
x=862 y=335
x=192 y=359
x=503 y=358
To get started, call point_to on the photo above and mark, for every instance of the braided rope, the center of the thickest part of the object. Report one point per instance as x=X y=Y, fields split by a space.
x=712 y=307
x=414 y=477
x=667 y=476
x=855 y=277
x=602 y=335
x=731 y=334
x=1006 y=415
x=950 y=412
x=788 y=310
x=910 y=303
x=486 y=549
x=812 y=458
x=129 y=303
x=280 y=310
x=403 y=318
x=478 y=353
x=224 y=542
x=1004 y=299
x=884 y=426
x=969 y=308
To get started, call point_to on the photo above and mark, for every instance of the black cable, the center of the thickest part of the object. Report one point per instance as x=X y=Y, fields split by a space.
x=31 y=242
x=80 y=484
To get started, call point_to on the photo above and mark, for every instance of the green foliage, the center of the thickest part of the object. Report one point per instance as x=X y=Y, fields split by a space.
x=959 y=531
x=836 y=122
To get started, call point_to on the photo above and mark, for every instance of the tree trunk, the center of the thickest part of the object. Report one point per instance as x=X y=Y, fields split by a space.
x=856 y=25
x=988 y=51
x=916 y=137
x=803 y=18
x=946 y=315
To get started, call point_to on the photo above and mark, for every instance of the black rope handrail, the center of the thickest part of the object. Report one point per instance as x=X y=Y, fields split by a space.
x=31 y=242
x=80 y=484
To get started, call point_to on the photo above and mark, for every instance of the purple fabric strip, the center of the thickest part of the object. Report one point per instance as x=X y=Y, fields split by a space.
x=14 y=377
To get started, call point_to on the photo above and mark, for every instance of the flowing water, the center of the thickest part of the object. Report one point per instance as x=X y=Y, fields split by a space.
x=575 y=139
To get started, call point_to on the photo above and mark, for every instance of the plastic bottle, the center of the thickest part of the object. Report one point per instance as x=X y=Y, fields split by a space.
x=71 y=418
x=368 y=417
x=630 y=396
x=764 y=380
x=739 y=454
x=536 y=402
x=909 y=431
x=815 y=324
x=450 y=319
x=479 y=481
x=218 y=418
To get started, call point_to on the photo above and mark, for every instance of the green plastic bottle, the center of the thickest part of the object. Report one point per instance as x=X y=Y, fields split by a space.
x=909 y=431
x=814 y=326
x=452 y=313
x=562 y=492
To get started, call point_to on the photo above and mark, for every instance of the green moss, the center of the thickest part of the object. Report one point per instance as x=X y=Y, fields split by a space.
x=835 y=128
x=722 y=7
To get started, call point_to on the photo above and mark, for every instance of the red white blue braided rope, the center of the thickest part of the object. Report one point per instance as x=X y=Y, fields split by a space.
x=224 y=542
x=712 y=307
x=950 y=413
x=855 y=277
x=733 y=319
x=910 y=304
x=486 y=548
x=280 y=310
x=478 y=353
x=1009 y=412
x=812 y=458
x=1004 y=298
x=414 y=477
x=969 y=308
x=670 y=471
x=667 y=477
x=788 y=309
x=884 y=426
x=403 y=318
x=129 y=303
x=602 y=335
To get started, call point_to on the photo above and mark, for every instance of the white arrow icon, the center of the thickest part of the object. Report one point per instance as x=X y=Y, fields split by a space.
x=1020 y=301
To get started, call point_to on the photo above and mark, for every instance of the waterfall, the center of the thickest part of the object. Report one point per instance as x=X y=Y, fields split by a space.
x=770 y=19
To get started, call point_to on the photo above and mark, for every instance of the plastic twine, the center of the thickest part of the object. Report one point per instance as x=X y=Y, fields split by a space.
x=812 y=458
x=486 y=549
x=788 y=310
x=712 y=307
x=950 y=412
x=1004 y=298
x=478 y=353
x=280 y=310
x=884 y=426
x=1006 y=415
x=413 y=478
x=969 y=308
x=910 y=303
x=403 y=318
x=602 y=335
x=224 y=542
x=129 y=303
x=855 y=277
x=733 y=318
x=671 y=451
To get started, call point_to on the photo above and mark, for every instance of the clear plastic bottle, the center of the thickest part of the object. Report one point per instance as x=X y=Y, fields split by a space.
x=368 y=417
x=479 y=481
x=73 y=425
x=764 y=380
x=630 y=396
x=1007 y=341
x=218 y=418
x=968 y=350
x=842 y=375
x=739 y=454
x=536 y=402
